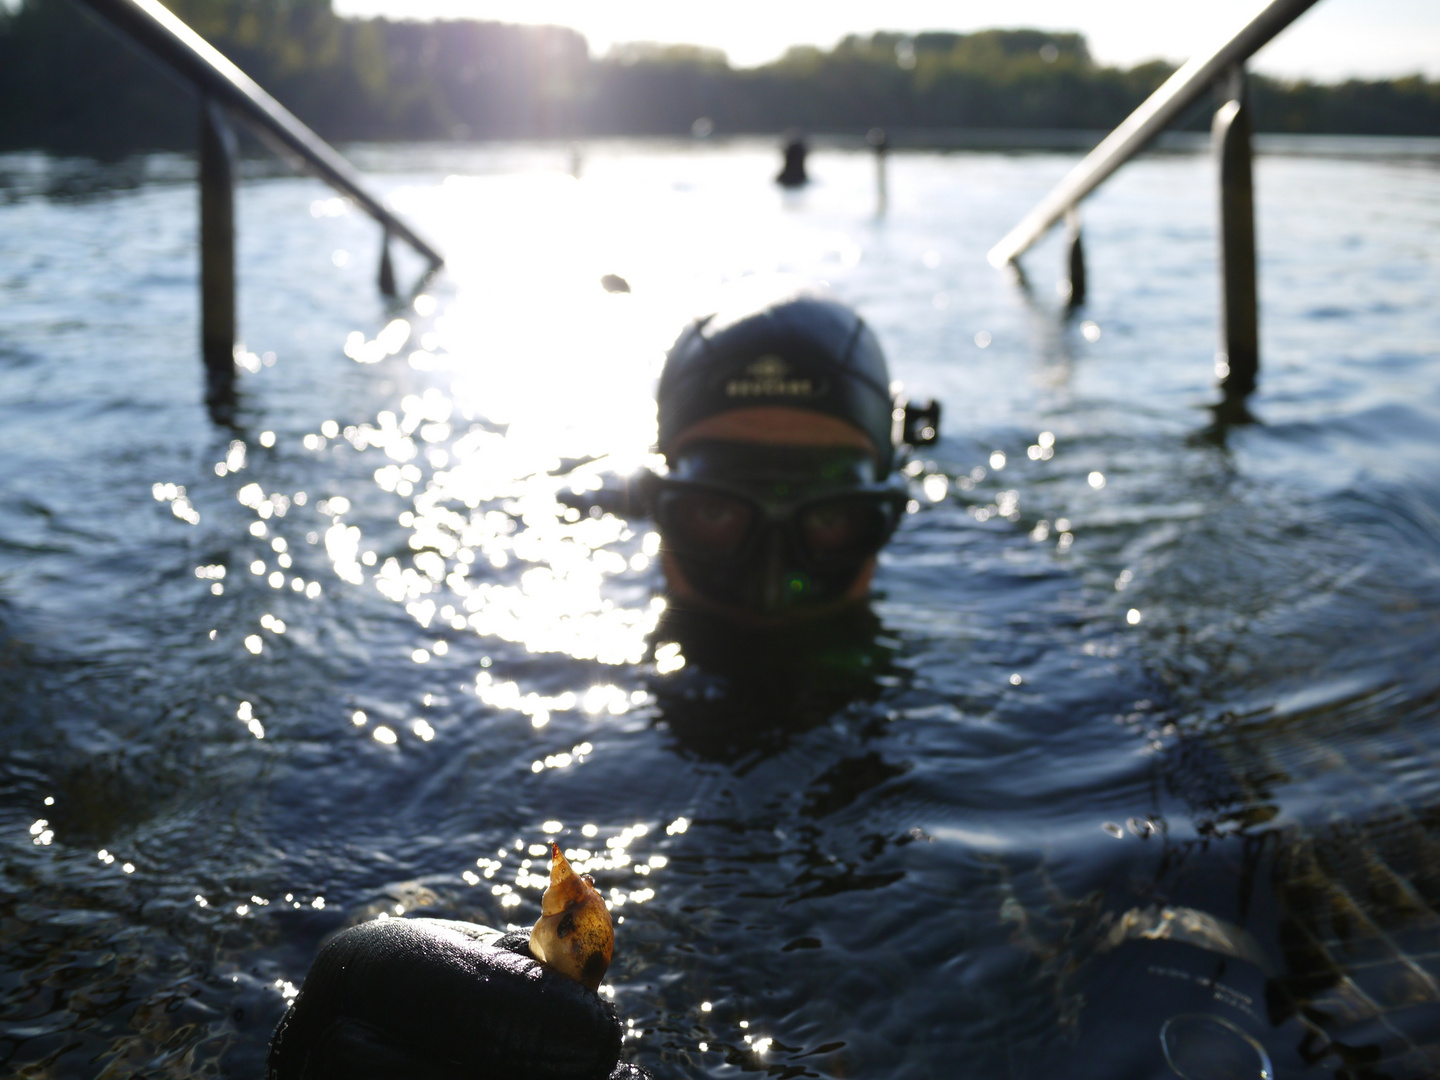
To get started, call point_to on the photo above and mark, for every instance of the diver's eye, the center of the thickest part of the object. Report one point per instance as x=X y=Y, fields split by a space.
x=844 y=528
x=705 y=521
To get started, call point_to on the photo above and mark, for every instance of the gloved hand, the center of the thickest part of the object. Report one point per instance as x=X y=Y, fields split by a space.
x=434 y=999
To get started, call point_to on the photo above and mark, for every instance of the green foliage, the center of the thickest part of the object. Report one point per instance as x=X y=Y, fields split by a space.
x=991 y=79
x=997 y=79
x=69 y=84
x=1407 y=106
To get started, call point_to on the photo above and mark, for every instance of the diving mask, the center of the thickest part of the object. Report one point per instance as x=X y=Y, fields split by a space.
x=773 y=528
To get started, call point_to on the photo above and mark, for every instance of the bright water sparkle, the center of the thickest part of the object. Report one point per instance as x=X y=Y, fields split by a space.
x=356 y=657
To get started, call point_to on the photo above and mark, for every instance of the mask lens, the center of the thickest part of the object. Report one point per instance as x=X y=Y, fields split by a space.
x=705 y=522
x=845 y=528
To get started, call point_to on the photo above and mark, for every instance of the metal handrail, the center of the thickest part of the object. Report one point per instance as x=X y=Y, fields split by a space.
x=1175 y=95
x=189 y=55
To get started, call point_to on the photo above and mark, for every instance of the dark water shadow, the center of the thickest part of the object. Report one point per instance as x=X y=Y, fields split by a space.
x=744 y=696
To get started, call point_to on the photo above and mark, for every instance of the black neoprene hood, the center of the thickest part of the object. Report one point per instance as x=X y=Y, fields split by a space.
x=803 y=352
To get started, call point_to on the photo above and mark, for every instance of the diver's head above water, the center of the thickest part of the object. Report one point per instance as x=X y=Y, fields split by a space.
x=776 y=423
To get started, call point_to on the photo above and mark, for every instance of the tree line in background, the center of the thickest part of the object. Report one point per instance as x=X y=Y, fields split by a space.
x=69 y=85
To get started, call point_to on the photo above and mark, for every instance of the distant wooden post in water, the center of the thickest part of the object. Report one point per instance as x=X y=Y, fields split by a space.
x=793 y=175
x=880 y=143
x=1237 y=361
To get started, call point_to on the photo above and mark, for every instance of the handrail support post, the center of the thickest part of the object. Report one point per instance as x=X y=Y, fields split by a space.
x=217 y=255
x=1073 y=287
x=387 y=268
x=1237 y=360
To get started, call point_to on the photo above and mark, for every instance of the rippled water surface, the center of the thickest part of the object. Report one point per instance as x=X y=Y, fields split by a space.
x=1138 y=732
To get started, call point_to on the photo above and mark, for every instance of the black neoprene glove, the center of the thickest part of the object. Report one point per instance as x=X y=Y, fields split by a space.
x=434 y=999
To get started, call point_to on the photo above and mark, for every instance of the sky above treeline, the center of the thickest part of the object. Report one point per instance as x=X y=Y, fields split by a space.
x=1336 y=39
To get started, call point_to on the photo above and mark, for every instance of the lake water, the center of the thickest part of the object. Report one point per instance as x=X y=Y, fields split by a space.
x=1134 y=755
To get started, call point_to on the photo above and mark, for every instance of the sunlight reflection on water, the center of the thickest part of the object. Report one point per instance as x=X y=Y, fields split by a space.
x=545 y=370
x=541 y=381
